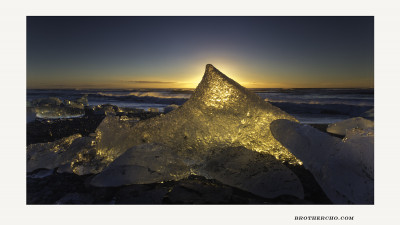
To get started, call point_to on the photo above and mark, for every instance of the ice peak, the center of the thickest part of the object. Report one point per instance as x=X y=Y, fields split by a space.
x=210 y=69
x=213 y=73
x=218 y=91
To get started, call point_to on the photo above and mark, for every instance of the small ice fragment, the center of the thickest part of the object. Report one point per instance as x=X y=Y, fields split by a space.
x=106 y=109
x=50 y=155
x=51 y=101
x=342 y=126
x=170 y=108
x=54 y=108
x=153 y=110
x=58 y=112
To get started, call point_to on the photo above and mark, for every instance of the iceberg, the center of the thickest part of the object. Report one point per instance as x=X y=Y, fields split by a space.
x=343 y=126
x=343 y=168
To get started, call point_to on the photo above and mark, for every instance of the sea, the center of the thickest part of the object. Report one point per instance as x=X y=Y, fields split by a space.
x=308 y=105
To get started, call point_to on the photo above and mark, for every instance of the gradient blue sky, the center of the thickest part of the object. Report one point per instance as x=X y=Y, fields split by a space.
x=171 y=52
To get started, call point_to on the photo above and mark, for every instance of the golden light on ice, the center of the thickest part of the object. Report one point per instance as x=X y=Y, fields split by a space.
x=220 y=113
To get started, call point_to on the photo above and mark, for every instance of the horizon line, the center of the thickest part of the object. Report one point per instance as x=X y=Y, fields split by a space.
x=195 y=88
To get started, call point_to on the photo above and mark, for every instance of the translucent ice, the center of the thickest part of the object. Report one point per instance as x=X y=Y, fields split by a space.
x=255 y=172
x=343 y=168
x=153 y=110
x=83 y=100
x=58 y=112
x=106 y=109
x=51 y=101
x=342 y=126
x=50 y=155
x=70 y=154
x=220 y=113
x=142 y=164
x=54 y=108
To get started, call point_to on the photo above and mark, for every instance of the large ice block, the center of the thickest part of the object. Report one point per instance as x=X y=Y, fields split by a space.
x=343 y=168
x=220 y=113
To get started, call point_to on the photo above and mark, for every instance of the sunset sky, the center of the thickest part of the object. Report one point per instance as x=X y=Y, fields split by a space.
x=172 y=52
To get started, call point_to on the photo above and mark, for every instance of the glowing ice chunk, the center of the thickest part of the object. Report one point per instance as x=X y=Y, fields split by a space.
x=58 y=112
x=54 y=108
x=75 y=154
x=343 y=168
x=220 y=113
x=342 y=126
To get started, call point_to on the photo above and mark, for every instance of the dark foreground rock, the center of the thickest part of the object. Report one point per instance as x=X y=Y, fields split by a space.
x=73 y=189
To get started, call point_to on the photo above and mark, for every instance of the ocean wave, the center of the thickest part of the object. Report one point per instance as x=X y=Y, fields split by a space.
x=147 y=94
x=322 y=109
x=323 y=102
x=131 y=97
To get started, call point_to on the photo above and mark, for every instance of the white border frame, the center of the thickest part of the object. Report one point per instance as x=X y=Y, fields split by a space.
x=12 y=70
